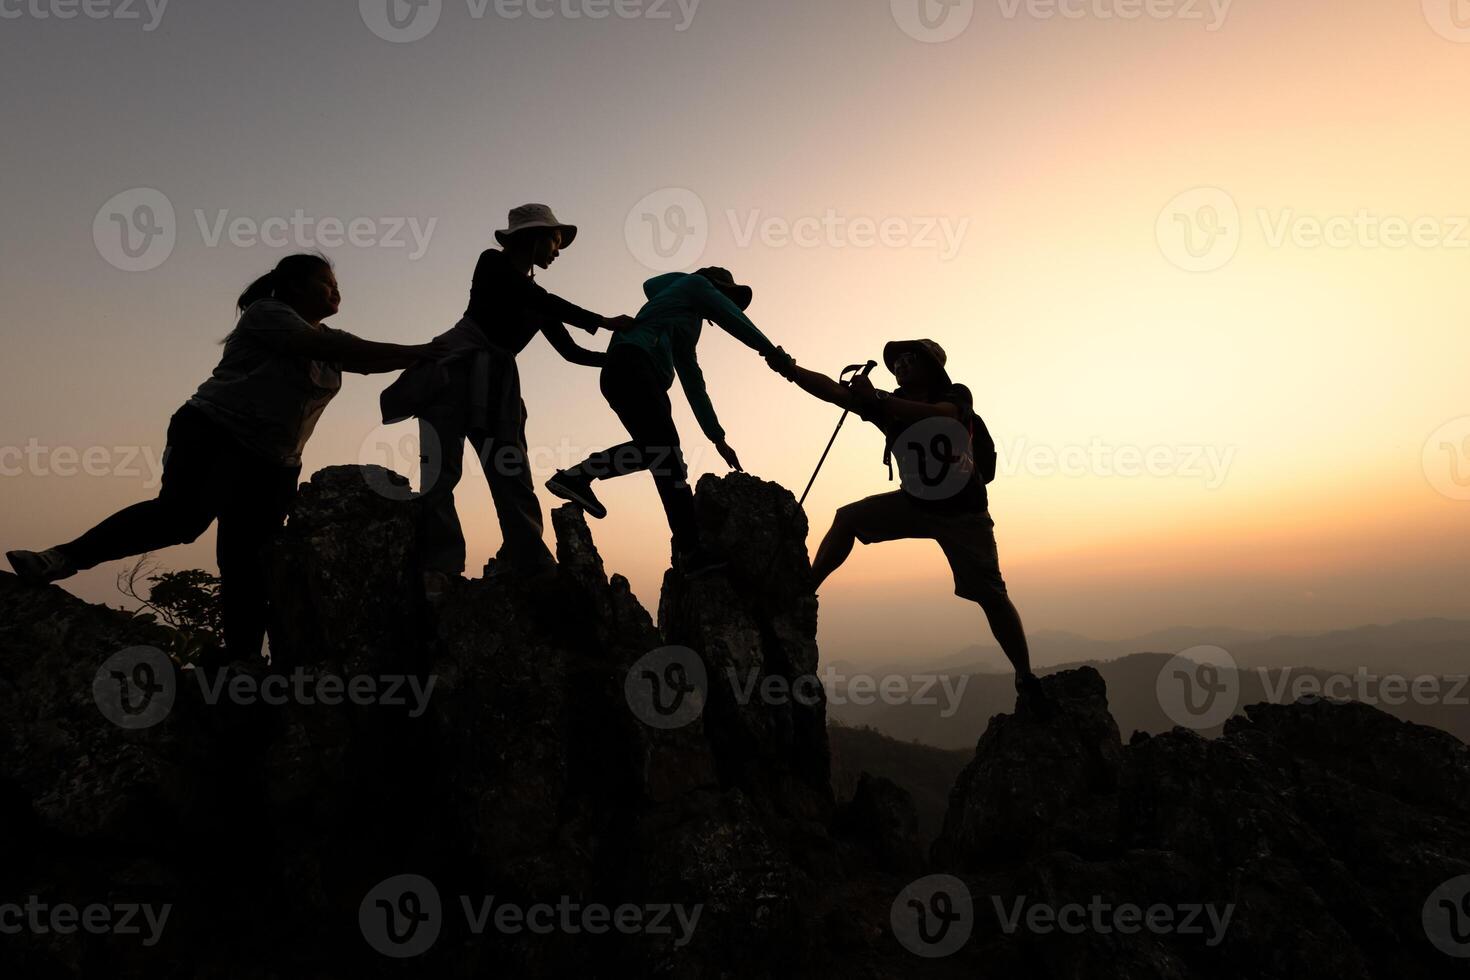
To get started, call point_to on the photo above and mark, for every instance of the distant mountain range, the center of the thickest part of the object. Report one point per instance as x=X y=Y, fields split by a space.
x=968 y=692
x=1420 y=646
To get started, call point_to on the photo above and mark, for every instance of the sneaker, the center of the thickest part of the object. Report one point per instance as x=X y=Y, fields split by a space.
x=1031 y=697
x=701 y=562
x=578 y=490
x=41 y=567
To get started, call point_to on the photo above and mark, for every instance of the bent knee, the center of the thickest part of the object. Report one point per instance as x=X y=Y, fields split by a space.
x=187 y=527
x=847 y=520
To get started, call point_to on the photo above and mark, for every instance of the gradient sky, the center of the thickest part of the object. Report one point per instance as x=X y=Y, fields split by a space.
x=1068 y=157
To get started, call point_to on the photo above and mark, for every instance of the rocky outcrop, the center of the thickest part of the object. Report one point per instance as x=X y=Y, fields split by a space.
x=1321 y=830
x=523 y=773
x=551 y=746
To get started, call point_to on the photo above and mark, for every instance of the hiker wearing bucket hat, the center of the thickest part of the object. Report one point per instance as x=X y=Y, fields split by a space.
x=474 y=393
x=641 y=367
x=946 y=457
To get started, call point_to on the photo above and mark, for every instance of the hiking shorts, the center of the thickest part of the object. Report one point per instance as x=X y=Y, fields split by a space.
x=966 y=537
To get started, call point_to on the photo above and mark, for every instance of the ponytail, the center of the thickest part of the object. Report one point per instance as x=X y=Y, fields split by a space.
x=262 y=288
x=288 y=273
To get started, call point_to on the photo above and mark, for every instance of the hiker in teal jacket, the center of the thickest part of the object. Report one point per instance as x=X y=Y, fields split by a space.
x=640 y=370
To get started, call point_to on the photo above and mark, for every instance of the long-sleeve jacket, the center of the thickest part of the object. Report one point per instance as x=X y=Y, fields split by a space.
x=668 y=329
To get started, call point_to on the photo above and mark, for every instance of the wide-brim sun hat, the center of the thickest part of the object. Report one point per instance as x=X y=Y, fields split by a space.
x=725 y=282
x=927 y=349
x=534 y=216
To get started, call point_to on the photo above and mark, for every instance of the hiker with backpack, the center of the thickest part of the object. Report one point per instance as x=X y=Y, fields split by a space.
x=234 y=448
x=474 y=394
x=641 y=366
x=946 y=458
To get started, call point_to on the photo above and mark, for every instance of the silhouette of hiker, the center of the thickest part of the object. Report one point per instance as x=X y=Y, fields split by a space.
x=947 y=457
x=474 y=393
x=234 y=448
x=641 y=366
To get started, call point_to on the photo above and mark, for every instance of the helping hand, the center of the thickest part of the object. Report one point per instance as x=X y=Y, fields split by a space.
x=729 y=456
x=619 y=324
x=863 y=390
x=782 y=363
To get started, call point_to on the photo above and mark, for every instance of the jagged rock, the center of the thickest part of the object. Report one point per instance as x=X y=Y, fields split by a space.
x=344 y=582
x=528 y=775
x=1323 y=828
x=755 y=626
x=880 y=817
x=1039 y=785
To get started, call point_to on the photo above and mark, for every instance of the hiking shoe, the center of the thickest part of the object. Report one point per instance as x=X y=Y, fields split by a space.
x=1032 y=698
x=578 y=490
x=701 y=561
x=41 y=567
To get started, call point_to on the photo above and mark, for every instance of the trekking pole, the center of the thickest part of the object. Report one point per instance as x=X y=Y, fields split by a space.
x=857 y=371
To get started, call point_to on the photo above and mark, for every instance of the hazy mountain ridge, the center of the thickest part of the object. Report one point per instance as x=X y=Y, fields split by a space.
x=1132 y=683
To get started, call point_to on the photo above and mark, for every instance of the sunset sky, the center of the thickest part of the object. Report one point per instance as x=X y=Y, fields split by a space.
x=1222 y=250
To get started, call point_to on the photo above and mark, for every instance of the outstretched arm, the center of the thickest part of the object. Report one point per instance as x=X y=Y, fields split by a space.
x=814 y=384
x=859 y=395
x=356 y=355
x=562 y=341
x=716 y=306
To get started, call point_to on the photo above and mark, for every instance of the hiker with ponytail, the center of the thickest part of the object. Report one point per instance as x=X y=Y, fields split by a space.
x=234 y=448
